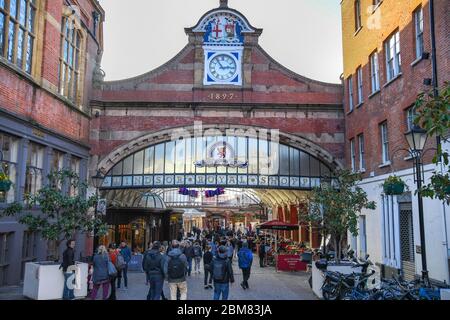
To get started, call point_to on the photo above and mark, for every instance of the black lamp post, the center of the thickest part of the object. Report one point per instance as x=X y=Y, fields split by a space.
x=97 y=181
x=417 y=138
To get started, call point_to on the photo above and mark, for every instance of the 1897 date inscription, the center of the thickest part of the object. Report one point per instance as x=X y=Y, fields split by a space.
x=221 y=96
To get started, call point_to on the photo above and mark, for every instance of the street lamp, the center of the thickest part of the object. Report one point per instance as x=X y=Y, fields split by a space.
x=417 y=138
x=97 y=181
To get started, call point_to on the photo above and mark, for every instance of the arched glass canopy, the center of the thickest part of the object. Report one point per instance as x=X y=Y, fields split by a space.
x=218 y=161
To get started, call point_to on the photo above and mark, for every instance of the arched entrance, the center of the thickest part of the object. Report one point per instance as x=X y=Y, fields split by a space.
x=269 y=171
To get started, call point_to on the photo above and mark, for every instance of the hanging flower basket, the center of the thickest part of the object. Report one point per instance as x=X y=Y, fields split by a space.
x=5 y=185
x=394 y=186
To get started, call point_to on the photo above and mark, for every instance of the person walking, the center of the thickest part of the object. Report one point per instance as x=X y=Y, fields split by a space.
x=262 y=254
x=175 y=268
x=190 y=254
x=153 y=265
x=100 y=275
x=68 y=260
x=222 y=272
x=207 y=267
x=162 y=250
x=245 y=260
x=230 y=250
x=197 y=256
x=112 y=252
x=125 y=251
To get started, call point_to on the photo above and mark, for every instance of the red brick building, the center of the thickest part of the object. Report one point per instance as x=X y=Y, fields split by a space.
x=49 y=56
x=387 y=63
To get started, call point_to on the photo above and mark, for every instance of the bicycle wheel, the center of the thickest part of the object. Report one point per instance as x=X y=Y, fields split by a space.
x=330 y=292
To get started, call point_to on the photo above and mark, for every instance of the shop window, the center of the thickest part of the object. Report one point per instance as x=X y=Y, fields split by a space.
x=75 y=167
x=35 y=165
x=29 y=251
x=5 y=245
x=17 y=32
x=9 y=148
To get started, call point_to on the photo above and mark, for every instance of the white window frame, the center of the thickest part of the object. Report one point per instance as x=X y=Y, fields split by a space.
x=384 y=143
x=362 y=152
x=353 y=154
x=418 y=26
x=393 y=57
x=359 y=80
x=410 y=115
x=358 y=18
x=350 y=93
x=374 y=72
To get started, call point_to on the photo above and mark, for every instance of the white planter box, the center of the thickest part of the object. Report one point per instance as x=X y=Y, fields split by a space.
x=318 y=276
x=45 y=281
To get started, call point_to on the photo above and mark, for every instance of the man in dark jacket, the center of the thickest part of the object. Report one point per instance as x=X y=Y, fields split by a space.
x=222 y=272
x=190 y=254
x=68 y=260
x=262 y=254
x=207 y=266
x=153 y=265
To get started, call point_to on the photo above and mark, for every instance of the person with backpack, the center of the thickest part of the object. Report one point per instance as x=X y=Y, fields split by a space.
x=197 y=256
x=207 y=266
x=245 y=259
x=125 y=252
x=153 y=265
x=262 y=253
x=222 y=272
x=175 y=268
x=189 y=253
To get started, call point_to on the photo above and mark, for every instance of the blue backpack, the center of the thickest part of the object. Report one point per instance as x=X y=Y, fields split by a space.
x=245 y=257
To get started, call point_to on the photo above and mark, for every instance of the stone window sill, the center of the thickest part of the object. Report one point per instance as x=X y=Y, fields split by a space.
x=357 y=31
x=417 y=61
x=374 y=93
x=376 y=7
x=392 y=80
x=359 y=105
x=383 y=165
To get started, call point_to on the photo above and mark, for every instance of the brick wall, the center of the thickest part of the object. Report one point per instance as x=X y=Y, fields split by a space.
x=396 y=97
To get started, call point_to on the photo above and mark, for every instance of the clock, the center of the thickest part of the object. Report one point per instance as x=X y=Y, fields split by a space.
x=223 y=67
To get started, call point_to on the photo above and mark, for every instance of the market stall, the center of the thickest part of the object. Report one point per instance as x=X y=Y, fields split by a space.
x=289 y=258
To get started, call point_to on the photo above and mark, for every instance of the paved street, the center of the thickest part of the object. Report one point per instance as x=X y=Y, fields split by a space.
x=265 y=284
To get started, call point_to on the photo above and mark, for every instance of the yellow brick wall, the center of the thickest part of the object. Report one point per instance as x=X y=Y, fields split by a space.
x=376 y=27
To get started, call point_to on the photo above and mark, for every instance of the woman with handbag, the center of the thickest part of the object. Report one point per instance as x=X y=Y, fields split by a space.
x=113 y=276
x=100 y=276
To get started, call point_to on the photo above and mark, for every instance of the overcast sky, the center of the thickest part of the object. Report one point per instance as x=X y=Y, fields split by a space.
x=303 y=35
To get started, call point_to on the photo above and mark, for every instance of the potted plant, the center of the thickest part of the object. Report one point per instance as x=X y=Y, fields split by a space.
x=393 y=185
x=5 y=183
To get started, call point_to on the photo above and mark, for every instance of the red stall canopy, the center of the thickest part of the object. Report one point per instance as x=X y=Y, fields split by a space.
x=278 y=225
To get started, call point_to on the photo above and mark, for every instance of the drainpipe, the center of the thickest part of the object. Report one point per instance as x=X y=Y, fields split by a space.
x=436 y=94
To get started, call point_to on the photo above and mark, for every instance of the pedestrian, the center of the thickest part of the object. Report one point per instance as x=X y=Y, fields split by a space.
x=123 y=273
x=153 y=265
x=222 y=272
x=207 y=267
x=175 y=268
x=230 y=250
x=262 y=254
x=197 y=256
x=162 y=250
x=190 y=254
x=113 y=257
x=68 y=260
x=245 y=259
x=100 y=275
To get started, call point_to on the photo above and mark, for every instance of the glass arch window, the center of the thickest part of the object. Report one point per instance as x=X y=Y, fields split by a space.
x=219 y=161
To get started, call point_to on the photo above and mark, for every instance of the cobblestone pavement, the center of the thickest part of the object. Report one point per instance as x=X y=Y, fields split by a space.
x=265 y=284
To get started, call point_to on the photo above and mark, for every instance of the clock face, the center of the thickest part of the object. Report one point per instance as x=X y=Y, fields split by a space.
x=223 y=67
